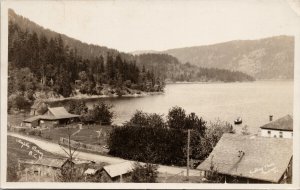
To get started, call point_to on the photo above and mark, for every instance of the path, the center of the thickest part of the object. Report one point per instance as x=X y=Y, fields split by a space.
x=80 y=127
x=56 y=149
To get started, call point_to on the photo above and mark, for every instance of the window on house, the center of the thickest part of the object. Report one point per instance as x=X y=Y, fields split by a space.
x=269 y=132
x=292 y=134
x=280 y=134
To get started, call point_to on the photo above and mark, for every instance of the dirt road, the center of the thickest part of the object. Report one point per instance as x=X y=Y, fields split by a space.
x=56 y=149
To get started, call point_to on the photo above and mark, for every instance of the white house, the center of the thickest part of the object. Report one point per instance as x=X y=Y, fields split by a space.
x=280 y=128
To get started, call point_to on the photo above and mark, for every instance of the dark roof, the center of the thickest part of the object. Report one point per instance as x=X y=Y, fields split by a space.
x=285 y=124
x=56 y=113
x=32 y=119
x=265 y=158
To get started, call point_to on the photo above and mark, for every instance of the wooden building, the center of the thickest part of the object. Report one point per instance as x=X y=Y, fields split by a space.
x=117 y=172
x=280 y=128
x=53 y=117
x=38 y=105
x=44 y=169
x=250 y=159
x=48 y=169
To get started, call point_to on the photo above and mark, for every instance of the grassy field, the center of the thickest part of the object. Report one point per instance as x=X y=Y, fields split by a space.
x=88 y=134
x=15 y=151
x=16 y=119
x=93 y=134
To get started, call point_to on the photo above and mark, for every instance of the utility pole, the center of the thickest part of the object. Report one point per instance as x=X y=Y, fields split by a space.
x=188 y=155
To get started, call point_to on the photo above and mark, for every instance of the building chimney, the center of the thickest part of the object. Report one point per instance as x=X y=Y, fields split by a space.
x=271 y=118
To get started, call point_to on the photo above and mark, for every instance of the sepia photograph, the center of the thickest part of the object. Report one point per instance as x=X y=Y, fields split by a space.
x=150 y=94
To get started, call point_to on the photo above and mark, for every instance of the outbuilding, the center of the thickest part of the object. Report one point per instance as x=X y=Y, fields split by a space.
x=118 y=172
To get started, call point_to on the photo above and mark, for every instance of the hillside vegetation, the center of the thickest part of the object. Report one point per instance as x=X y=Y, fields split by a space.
x=39 y=63
x=170 y=69
x=269 y=58
x=43 y=63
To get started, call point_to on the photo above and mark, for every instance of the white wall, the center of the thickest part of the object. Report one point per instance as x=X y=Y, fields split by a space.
x=273 y=133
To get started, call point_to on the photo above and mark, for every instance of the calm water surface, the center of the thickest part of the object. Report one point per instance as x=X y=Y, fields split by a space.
x=253 y=101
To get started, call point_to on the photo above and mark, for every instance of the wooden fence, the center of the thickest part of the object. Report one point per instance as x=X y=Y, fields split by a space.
x=83 y=146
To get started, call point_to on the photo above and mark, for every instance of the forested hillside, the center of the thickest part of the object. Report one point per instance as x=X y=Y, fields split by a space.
x=46 y=64
x=269 y=58
x=169 y=68
x=86 y=51
x=38 y=63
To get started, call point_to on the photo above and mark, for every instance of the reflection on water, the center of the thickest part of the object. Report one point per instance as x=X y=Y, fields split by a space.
x=253 y=101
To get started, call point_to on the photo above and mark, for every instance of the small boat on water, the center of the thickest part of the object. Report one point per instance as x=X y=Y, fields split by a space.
x=238 y=121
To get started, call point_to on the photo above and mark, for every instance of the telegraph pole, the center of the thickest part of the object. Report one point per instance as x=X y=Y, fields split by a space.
x=188 y=155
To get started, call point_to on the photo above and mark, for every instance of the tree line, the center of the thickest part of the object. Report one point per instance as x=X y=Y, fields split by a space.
x=49 y=64
x=169 y=68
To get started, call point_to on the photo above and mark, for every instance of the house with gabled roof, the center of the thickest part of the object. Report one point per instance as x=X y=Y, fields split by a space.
x=53 y=117
x=250 y=159
x=280 y=128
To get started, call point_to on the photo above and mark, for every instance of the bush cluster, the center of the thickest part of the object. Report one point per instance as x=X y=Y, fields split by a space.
x=148 y=138
x=148 y=144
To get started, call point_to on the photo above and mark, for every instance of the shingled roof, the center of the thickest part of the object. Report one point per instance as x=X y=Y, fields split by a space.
x=264 y=158
x=115 y=170
x=283 y=124
x=59 y=113
x=50 y=162
x=53 y=114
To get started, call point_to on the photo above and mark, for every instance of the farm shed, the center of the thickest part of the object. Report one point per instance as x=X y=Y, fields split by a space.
x=32 y=122
x=44 y=169
x=250 y=159
x=53 y=117
x=117 y=172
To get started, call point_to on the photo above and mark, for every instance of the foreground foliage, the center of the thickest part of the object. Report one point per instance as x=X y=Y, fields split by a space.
x=148 y=138
x=144 y=173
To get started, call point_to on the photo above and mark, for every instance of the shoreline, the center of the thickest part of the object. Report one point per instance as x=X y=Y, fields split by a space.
x=218 y=82
x=95 y=97
x=144 y=94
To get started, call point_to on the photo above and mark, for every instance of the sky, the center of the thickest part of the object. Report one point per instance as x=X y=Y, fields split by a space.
x=163 y=24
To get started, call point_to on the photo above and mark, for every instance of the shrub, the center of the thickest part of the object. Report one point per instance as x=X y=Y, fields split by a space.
x=22 y=130
x=101 y=112
x=19 y=102
x=35 y=132
x=148 y=144
x=176 y=118
x=144 y=173
x=77 y=107
x=147 y=120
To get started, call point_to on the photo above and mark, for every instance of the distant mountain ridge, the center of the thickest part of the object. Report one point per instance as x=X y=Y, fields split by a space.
x=268 y=58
